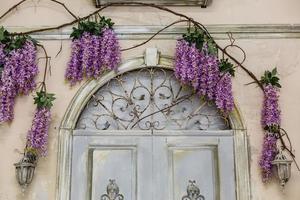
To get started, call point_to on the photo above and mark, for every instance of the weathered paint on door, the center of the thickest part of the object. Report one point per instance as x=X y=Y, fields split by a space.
x=153 y=166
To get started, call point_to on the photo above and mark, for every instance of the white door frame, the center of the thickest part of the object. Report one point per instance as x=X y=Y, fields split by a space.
x=90 y=87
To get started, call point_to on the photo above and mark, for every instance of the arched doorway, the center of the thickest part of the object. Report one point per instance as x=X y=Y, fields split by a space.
x=141 y=135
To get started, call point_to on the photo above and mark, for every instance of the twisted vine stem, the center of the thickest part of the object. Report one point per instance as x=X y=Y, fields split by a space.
x=155 y=34
x=23 y=1
x=47 y=60
x=107 y=5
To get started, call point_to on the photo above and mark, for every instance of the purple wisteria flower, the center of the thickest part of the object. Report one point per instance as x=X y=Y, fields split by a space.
x=92 y=54
x=183 y=63
x=8 y=93
x=224 y=95
x=270 y=111
x=88 y=53
x=18 y=77
x=110 y=51
x=38 y=134
x=269 y=152
x=96 y=68
x=201 y=69
x=270 y=120
x=74 y=72
x=194 y=56
x=208 y=75
x=196 y=68
x=2 y=60
x=27 y=67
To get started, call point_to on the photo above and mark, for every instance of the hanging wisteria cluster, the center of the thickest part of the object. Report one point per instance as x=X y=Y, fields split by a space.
x=271 y=111
x=37 y=138
x=18 y=61
x=38 y=134
x=197 y=65
x=95 y=49
x=18 y=58
x=270 y=121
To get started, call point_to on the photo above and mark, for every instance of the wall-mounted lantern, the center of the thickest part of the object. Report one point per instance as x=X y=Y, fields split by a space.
x=283 y=167
x=25 y=169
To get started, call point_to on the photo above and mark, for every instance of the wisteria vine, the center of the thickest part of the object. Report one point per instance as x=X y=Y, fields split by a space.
x=270 y=121
x=95 y=49
x=197 y=65
x=18 y=58
x=37 y=138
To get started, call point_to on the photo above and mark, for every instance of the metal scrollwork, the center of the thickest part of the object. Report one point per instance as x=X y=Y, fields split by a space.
x=193 y=192
x=112 y=191
x=149 y=99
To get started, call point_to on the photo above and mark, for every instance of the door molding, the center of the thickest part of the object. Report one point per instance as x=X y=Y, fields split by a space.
x=83 y=95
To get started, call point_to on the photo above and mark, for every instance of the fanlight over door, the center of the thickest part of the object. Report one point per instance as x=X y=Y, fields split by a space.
x=149 y=99
x=142 y=136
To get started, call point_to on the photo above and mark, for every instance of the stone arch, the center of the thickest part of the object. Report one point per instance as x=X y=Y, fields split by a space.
x=152 y=58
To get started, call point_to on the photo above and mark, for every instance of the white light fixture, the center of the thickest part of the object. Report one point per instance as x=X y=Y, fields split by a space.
x=283 y=167
x=25 y=170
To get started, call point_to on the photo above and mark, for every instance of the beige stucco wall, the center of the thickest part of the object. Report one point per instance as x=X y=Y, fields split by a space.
x=262 y=54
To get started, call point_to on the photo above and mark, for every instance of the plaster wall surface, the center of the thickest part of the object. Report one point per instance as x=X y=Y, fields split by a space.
x=262 y=54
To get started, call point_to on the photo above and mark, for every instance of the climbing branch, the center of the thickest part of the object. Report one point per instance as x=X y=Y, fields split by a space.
x=23 y=1
x=153 y=36
x=47 y=58
x=107 y=5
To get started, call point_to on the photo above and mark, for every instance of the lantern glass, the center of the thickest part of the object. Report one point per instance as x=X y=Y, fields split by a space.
x=283 y=166
x=283 y=171
x=25 y=171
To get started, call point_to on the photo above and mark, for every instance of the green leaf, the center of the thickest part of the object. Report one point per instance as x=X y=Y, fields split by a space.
x=44 y=100
x=225 y=66
x=93 y=27
x=270 y=77
x=212 y=48
x=197 y=37
x=277 y=85
x=2 y=35
x=274 y=71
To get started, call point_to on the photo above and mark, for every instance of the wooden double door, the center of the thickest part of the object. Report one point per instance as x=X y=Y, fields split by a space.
x=147 y=165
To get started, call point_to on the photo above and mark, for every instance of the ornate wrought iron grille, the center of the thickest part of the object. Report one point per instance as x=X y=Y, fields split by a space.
x=149 y=99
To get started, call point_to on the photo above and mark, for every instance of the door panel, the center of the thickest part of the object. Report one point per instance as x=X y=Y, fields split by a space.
x=113 y=163
x=206 y=160
x=159 y=167
x=100 y=161
x=193 y=164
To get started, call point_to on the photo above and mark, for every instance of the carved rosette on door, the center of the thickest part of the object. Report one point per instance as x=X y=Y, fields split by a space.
x=112 y=191
x=193 y=192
